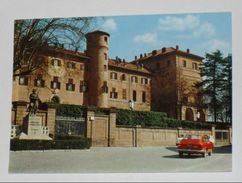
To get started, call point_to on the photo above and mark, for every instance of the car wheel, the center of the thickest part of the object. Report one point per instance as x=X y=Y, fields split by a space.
x=210 y=153
x=205 y=154
x=180 y=154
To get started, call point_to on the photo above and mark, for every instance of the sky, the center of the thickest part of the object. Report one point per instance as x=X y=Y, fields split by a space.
x=200 y=32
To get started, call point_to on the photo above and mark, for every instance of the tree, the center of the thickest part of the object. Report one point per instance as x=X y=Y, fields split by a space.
x=227 y=88
x=31 y=35
x=216 y=84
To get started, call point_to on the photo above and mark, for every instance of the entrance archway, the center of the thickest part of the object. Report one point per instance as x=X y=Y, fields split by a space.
x=189 y=114
x=202 y=116
x=55 y=99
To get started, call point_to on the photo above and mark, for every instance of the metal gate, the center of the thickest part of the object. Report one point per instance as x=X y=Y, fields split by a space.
x=70 y=126
x=222 y=137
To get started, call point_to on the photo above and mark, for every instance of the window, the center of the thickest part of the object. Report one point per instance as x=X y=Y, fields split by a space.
x=184 y=63
x=70 y=86
x=194 y=66
x=113 y=75
x=144 y=81
x=113 y=94
x=106 y=39
x=23 y=80
x=134 y=95
x=143 y=96
x=105 y=87
x=105 y=68
x=123 y=77
x=56 y=62
x=134 y=79
x=124 y=94
x=105 y=56
x=82 y=67
x=55 y=84
x=168 y=63
x=71 y=65
x=83 y=86
x=39 y=82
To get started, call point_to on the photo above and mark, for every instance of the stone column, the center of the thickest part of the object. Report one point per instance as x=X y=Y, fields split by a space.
x=90 y=119
x=112 y=127
x=21 y=112
x=213 y=133
x=51 y=115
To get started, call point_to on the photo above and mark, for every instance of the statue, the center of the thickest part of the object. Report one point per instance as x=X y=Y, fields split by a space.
x=34 y=102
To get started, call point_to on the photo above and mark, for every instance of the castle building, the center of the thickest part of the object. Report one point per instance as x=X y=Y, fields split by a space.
x=160 y=81
x=174 y=76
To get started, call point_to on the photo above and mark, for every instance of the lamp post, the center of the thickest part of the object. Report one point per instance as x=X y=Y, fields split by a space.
x=131 y=106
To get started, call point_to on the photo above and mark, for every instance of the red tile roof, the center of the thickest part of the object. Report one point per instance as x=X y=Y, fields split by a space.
x=165 y=51
x=127 y=66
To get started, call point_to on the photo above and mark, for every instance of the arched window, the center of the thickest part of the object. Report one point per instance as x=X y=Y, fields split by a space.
x=201 y=116
x=123 y=77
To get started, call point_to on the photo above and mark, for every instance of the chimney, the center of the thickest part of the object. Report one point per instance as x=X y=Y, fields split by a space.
x=135 y=57
x=154 y=52
x=188 y=51
x=116 y=58
x=145 y=55
x=141 y=56
x=163 y=50
x=177 y=47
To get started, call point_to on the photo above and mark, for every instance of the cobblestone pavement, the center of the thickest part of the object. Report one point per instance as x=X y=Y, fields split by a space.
x=118 y=160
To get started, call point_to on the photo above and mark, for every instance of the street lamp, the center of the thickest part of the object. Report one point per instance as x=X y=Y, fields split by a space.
x=131 y=106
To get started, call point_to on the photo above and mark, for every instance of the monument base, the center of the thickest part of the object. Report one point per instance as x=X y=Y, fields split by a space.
x=34 y=130
x=24 y=136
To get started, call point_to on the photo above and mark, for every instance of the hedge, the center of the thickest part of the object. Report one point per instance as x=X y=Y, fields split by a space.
x=71 y=110
x=17 y=145
x=155 y=119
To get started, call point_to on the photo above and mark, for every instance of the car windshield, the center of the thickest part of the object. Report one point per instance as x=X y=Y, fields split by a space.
x=192 y=137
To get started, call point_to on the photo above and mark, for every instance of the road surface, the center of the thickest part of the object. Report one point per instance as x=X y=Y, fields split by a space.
x=118 y=160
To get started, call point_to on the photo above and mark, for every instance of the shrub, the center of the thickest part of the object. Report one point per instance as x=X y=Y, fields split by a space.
x=81 y=143
x=71 y=110
x=155 y=119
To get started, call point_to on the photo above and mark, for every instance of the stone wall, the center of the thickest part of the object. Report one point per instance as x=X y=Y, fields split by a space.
x=141 y=137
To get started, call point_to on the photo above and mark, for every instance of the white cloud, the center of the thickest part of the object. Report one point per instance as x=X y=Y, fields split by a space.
x=205 y=29
x=146 y=38
x=110 y=24
x=192 y=24
x=217 y=44
x=179 y=24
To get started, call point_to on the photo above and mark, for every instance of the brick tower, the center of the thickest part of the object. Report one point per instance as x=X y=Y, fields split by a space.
x=97 y=50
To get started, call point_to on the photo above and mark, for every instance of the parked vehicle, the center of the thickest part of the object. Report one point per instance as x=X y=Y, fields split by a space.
x=178 y=140
x=193 y=144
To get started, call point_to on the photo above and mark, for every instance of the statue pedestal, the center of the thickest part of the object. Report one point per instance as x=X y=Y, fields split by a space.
x=34 y=129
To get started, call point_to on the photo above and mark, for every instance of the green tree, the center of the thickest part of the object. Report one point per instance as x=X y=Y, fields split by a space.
x=216 y=84
x=227 y=89
x=211 y=71
x=32 y=34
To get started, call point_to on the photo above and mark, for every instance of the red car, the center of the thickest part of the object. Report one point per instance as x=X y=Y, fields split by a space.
x=193 y=144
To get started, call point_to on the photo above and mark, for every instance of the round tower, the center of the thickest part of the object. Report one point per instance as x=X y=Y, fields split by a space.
x=97 y=50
